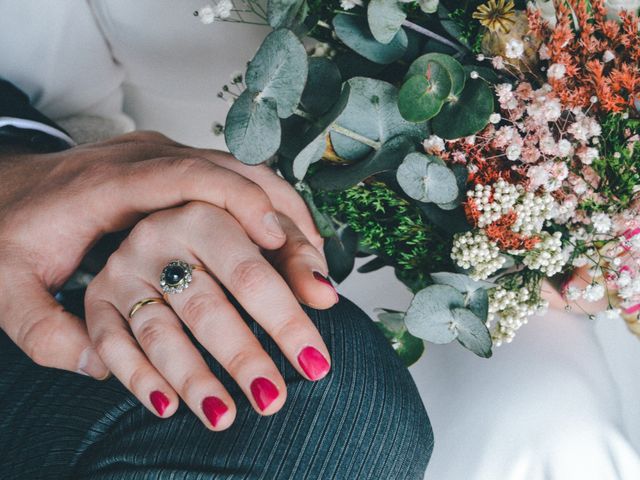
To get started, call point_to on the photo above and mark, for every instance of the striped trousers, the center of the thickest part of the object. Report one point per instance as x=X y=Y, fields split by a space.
x=365 y=420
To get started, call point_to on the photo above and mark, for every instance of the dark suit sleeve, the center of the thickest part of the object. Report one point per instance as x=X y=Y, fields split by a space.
x=21 y=123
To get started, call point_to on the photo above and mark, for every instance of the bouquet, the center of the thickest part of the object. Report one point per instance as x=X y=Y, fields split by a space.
x=479 y=148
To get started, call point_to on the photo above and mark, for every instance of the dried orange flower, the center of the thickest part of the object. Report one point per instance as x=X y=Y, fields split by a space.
x=600 y=57
x=497 y=16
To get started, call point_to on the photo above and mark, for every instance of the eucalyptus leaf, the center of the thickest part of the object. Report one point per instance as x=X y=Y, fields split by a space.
x=372 y=111
x=406 y=346
x=340 y=251
x=285 y=13
x=449 y=221
x=372 y=265
x=279 y=70
x=450 y=26
x=308 y=155
x=478 y=303
x=312 y=144
x=472 y=332
x=354 y=32
x=422 y=96
x=423 y=64
x=429 y=316
x=322 y=221
x=425 y=179
x=323 y=87
x=467 y=115
x=253 y=130
x=342 y=177
x=462 y=283
x=385 y=18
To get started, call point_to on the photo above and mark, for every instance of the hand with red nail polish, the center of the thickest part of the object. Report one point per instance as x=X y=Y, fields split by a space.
x=268 y=289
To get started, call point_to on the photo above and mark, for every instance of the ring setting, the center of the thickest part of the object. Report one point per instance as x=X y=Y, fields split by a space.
x=176 y=276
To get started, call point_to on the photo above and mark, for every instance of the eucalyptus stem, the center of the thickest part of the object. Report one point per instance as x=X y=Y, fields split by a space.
x=428 y=33
x=342 y=130
x=356 y=136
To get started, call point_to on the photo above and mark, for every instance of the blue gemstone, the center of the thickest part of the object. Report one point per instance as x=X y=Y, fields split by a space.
x=174 y=274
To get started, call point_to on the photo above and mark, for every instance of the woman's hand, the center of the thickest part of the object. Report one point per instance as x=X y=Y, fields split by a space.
x=54 y=207
x=159 y=362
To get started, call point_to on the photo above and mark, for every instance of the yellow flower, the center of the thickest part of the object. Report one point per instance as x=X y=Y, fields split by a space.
x=496 y=15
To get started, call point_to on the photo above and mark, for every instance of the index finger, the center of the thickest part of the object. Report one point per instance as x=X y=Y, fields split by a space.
x=284 y=197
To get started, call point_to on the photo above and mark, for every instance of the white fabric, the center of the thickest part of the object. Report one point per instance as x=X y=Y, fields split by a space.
x=559 y=403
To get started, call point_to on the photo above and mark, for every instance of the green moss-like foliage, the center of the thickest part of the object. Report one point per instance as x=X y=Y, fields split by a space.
x=393 y=228
x=618 y=165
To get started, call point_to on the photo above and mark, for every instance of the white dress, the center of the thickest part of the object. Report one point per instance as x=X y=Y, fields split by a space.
x=562 y=402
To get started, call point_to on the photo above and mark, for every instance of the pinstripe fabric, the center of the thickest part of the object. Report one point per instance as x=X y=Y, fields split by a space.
x=364 y=421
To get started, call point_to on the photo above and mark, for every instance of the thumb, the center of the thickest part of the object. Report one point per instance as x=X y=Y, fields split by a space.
x=49 y=335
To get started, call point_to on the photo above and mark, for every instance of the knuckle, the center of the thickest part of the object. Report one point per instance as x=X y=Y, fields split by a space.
x=301 y=247
x=198 y=308
x=151 y=333
x=139 y=376
x=191 y=383
x=290 y=327
x=187 y=165
x=40 y=339
x=240 y=360
x=249 y=274
x=197 y=211
x=145 y=233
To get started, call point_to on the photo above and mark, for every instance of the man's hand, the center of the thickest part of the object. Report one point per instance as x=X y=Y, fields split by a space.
x=54 y=207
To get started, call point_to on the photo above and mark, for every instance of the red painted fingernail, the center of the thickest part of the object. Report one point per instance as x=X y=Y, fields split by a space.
x=159 y=401
x=313 y=363
x=264 y=392
x=321 y=278
x=214 y=409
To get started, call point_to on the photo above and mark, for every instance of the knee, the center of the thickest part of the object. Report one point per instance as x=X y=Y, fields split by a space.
x=374 y=412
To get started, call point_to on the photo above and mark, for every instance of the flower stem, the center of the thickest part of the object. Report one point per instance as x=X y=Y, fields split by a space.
x=428 y=33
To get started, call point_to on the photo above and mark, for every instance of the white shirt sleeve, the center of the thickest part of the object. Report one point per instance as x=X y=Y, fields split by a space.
x=56 y=53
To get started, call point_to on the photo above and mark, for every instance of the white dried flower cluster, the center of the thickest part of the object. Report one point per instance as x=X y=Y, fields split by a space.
x=509 y=310
x=628 y=285
x=593 y=292
x=220 y=9
x=548 y=256
x=601 y=222
x=493 y=201
x=433 y=144
x=474 y=251
x=532 y=211
x=349 y=4
x=514 y=48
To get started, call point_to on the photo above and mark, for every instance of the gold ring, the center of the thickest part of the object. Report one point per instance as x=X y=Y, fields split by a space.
x=144 y=302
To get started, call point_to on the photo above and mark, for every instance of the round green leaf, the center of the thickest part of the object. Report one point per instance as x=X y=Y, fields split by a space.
x=340 y=250
x=285 y=13
x=408 y=347
x=252 y=129
x=420 y=66
x=422 y=96
x=372 y=111
x=323 y=86
x=425 y=179
x=279 y=70
x=467 y=115
x=472 y=332
x=354 y=32
x=429 y=316
x=385 y=19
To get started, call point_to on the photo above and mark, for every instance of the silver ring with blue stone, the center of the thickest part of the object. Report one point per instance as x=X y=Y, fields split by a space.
x=177 y=276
